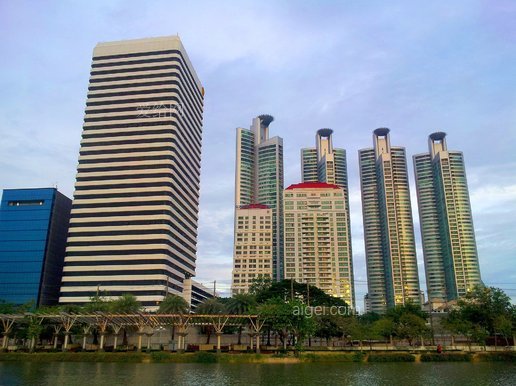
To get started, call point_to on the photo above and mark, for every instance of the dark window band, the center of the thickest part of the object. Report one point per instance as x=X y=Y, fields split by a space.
x=91 y=263
x=132 y=252
x=137 y=54
x=137 y=69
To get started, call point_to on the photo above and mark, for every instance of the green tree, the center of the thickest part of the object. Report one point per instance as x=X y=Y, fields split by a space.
x=503 y=326
x=125 y=304
x=260 y=284
x=241 y=304
x=277 y=314
x=211 y=306
x=410 y=327
x=327 y=327
x=482 y=312
x=385 y=328
x=173 y=304
x=97 y=303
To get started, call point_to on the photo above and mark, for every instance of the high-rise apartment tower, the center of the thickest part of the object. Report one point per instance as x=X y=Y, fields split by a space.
x=450 y=250
x=317 y=251
x=259 y=179
x=392 y=273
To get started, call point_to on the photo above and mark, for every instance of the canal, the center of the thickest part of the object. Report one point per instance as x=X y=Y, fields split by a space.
x=114 y=374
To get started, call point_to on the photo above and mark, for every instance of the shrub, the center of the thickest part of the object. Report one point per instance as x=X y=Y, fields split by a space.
x=445 y=357
x=497 y=357
x=159 y=356
x=205 y=357
x=392 y=357
x=358 y=356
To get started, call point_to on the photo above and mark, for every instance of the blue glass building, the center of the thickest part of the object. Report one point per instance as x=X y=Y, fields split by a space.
x=33 y=231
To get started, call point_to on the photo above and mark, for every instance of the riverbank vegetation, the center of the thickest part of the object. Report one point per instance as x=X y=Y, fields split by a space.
x=298 y=317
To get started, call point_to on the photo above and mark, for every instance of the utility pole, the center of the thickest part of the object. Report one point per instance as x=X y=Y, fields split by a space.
x=308 y=293
x=214 y=288
x=292 y=289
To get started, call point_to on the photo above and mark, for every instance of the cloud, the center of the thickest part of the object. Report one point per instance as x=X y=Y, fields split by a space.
x=415 y=68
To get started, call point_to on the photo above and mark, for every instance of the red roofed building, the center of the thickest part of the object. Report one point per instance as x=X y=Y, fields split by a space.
x=312 y=185
x=316 y=241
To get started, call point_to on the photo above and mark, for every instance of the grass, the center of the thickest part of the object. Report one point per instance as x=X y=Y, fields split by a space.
x=132 y=357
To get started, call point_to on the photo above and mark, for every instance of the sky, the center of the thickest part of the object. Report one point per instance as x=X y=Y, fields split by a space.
x=413 y=66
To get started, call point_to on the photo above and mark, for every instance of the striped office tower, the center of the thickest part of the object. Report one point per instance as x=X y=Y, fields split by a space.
x=133 y=225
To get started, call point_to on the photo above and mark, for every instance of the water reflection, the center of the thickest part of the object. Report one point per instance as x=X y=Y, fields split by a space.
x=114 y=374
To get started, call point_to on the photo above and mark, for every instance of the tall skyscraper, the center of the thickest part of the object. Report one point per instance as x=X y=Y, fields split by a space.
x=33 y=229
x=327 y=164
x=133 y=225
x=317 y=249
x=253 y=246
x=392 y=274
x=259 y=179
x=450 y=250
x=324 y=163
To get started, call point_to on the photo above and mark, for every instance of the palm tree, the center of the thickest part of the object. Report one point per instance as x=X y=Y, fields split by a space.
x=173 y=304
x=241 y=304
x=126 y=304
x=210 y=306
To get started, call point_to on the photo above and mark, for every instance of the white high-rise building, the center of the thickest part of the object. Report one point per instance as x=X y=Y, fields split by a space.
x=253 y=246
x=133 y=226
x=316 y=242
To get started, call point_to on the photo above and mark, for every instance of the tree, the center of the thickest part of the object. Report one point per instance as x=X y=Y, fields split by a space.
x=241 y=304
x=385 y=328
x=327 y=327
x=482 y=312
x=503 y=327
x=277 y=314
x=210 y=306
x=410 y=327
x=126 y=304
x=173 y=304
x=97 y=303
x=260 y=284
x=289 y=290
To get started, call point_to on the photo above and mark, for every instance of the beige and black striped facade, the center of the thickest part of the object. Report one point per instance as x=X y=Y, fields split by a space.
x=133 y=226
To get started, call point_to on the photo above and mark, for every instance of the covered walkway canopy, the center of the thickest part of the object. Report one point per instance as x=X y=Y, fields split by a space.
x=143 y=323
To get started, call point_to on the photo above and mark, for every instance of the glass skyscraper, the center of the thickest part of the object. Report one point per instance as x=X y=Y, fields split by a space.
x=451 y=260
x=392 y=273
x=327 y=164
x=33 y=229
x=259 y=179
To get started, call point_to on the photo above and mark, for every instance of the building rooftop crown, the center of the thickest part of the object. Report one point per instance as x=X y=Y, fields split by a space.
x=325 y=132
x=254 y=206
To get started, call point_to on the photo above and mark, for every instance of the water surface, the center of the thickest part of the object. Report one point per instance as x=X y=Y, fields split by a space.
x=114 y=374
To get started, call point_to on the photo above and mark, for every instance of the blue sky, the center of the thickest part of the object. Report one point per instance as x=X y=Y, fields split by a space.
x=413 y=66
